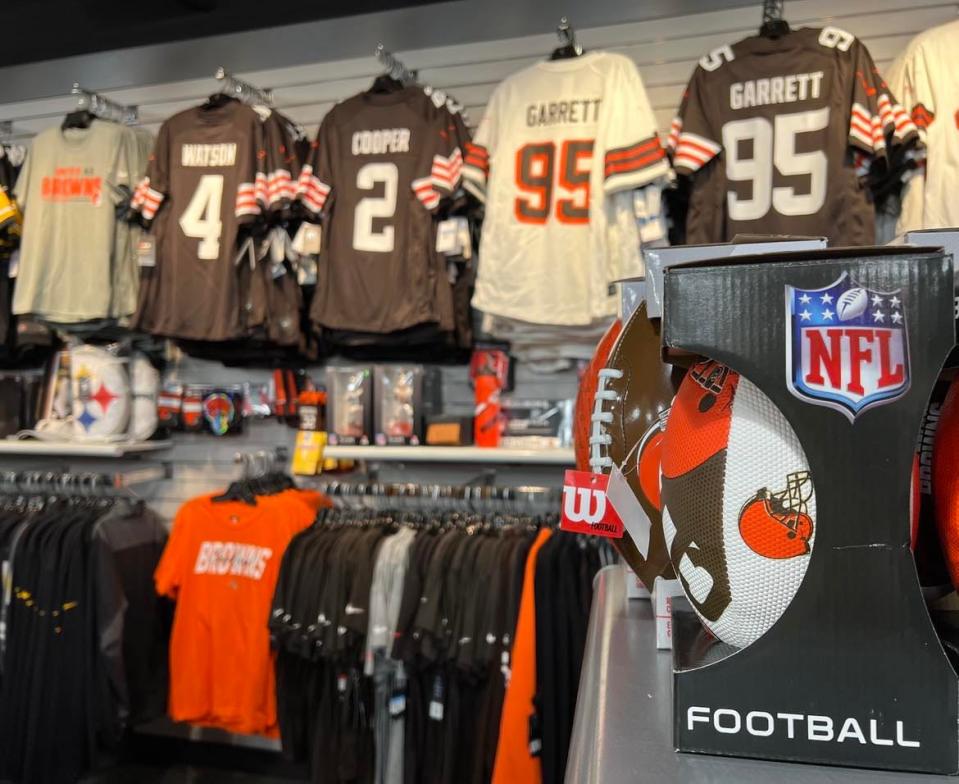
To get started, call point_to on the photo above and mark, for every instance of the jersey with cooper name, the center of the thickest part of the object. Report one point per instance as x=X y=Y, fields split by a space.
x=558 y=140
x=380 y=166
x=206 y=178
x=779 y=134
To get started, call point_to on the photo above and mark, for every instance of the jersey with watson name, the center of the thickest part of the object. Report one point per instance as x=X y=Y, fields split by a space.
x=557 y=141
x=778 y=135
x=380 y=165
x=923 y=77
x=206 y=178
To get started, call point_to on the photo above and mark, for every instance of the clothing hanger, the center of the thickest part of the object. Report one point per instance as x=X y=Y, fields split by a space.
x=773 y=26
x=568 y=47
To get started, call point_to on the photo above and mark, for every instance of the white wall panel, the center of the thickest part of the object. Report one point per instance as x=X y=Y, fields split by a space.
x=665 y=50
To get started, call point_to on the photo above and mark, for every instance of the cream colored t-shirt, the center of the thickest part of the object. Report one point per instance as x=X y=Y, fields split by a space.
x=69 y=190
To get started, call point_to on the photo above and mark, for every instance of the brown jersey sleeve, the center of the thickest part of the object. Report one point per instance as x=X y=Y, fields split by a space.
x=315 y=186
x=694 y=138
x=154 y=187
x=877 y=122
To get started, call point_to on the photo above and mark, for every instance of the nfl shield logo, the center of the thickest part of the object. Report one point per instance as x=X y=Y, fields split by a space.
x=846 y=346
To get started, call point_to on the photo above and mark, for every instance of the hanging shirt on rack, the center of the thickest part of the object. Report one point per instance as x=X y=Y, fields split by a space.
x=923 y=78
x=69 y=190
x=780 y=134
x=207 y=177
x=221 y=565
x=558 y=142
x=381 y=164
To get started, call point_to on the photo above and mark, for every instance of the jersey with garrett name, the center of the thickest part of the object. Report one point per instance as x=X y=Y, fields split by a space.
x=558 y=141
x=923 y=77
x=206 y=178
x=380 y=165
x=778 y=135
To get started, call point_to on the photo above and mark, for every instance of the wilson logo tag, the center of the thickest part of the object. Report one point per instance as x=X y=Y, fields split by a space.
x=586 y=510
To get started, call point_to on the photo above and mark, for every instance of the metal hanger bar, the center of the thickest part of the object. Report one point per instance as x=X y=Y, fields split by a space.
x=102 y=107
x=773 y=10
x=567 y=36
x=394 y=67
x=238 y=88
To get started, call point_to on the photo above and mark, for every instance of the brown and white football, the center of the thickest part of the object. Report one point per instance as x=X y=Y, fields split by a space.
x=633 y=395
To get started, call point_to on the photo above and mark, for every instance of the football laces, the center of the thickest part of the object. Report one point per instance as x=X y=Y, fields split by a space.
x=599 y=439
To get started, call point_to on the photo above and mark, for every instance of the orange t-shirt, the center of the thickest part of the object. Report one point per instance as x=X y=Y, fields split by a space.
x=221 y=564
x=514 y=764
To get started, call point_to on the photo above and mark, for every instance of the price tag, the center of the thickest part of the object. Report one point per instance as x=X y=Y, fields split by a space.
x=146 y=251
x=14 y=265
x=447 y=236
x=308 y=240
x=586 y=509
x=398 y=705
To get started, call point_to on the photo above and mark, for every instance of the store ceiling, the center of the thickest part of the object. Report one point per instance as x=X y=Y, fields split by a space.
x=45 y=29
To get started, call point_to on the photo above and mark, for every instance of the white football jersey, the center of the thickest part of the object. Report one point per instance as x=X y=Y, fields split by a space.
x=924 y=79
x=559 y=148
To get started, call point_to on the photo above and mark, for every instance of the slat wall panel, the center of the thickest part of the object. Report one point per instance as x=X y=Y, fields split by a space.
x=665 y=50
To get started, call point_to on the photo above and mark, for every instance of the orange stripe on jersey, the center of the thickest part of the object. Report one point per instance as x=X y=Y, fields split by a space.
x=635 y=164
x=629 y=152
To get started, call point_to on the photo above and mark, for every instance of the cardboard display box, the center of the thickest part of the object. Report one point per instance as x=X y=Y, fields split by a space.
x=853 y=672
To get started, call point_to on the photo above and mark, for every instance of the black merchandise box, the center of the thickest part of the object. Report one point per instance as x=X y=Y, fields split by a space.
x=852 y=673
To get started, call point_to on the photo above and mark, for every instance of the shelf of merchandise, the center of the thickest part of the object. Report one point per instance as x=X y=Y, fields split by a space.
x=12 y=446
x=452 y=454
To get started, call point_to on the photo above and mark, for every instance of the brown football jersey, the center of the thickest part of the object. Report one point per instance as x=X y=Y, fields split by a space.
x=778 y=135
x=380 y=165
x=206 y=178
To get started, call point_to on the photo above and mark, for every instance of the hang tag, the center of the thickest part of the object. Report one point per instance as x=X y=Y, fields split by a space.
x=277 y=270
x=398 y=704
x=535 y=739
x=585 y=507
x=446 y=236
x=630 y=511
x=436 y=703
x=308 y=240
x=278 y=240
x=13 y=266
x=146 y=251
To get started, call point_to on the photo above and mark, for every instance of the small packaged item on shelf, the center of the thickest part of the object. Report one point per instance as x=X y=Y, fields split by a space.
x=536 y=424
x=350 y=401
x=311 y=433
x=449 y=430
x=405 y=396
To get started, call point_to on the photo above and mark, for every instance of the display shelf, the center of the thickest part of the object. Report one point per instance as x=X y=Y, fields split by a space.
x=452 y=454
x=12 y=446
x=623 y=725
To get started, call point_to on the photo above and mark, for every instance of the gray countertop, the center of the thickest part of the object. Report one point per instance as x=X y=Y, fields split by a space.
x=623 y=728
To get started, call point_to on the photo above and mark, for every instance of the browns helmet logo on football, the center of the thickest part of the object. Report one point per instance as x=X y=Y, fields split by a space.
x=778 y=525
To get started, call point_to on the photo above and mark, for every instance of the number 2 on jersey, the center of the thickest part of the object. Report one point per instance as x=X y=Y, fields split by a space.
x=535 y=178
x=201 y=219
x=372 y=207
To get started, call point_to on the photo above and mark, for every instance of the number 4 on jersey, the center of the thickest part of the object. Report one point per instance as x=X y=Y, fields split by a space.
x=536 y=176
x=201 y=219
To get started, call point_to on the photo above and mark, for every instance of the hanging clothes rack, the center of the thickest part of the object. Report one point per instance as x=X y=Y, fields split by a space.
x=394 y=67
x=475 y=497
x=238 y=88
x=102 y=107
x=86 y=483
